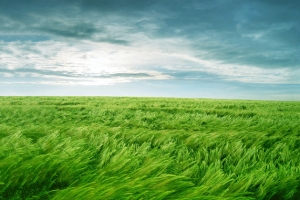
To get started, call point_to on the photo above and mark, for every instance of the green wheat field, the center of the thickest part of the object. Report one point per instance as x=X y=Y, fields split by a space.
x=148 y=148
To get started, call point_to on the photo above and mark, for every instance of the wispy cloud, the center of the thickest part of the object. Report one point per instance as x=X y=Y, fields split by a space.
x=101 y=42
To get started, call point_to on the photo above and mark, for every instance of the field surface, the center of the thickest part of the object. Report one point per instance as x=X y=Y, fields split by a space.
x=148 y=148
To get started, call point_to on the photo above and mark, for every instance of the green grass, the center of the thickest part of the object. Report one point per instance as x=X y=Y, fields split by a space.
x=148 y=148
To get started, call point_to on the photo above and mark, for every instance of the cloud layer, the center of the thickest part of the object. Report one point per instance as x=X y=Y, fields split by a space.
x=108 y=42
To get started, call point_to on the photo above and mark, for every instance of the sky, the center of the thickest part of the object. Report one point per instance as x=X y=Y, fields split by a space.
x=225 y=49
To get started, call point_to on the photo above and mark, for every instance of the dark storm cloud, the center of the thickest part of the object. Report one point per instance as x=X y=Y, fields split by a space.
x=67 y=19
x=22 y=38
x=36 y=71
x=190 y=75
x=112 y=40
x=136 y=75
x=257 y=33
x=68 y=74
x=261 y=33
x=127 y=7
x=76 y=31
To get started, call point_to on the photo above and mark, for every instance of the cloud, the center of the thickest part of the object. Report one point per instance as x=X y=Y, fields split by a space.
x=50 y=62
x=85 y=61
x=229 y=41
x=33 y=38
x=79 y=30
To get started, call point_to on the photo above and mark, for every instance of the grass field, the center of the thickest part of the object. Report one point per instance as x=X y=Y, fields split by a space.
x=148 y=148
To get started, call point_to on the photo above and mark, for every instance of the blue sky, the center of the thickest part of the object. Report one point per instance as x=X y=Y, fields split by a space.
x=229 y=49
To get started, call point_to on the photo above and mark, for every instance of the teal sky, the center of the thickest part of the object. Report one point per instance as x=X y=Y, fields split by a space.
x=228 y=49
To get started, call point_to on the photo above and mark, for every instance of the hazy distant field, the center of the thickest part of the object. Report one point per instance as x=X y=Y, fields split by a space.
x=147 y=148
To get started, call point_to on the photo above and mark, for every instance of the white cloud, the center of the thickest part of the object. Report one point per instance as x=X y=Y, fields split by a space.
x=90 y=63
x=77 y=64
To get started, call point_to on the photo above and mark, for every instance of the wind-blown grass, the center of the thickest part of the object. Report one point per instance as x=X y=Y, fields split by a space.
x=148 y=148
